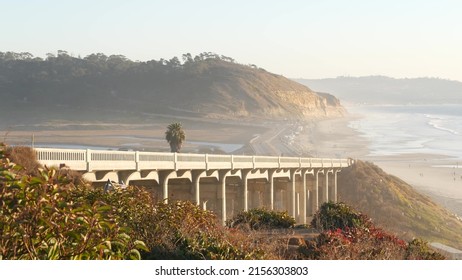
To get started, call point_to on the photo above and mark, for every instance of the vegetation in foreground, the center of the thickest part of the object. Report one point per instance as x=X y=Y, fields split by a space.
x=350 y=235
x=50 y=214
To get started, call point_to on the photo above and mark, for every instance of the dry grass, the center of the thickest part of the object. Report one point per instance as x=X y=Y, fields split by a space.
x=395 y=205
x=24 y=156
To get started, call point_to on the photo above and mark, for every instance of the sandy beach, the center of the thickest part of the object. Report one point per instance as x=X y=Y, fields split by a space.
x=438 y=176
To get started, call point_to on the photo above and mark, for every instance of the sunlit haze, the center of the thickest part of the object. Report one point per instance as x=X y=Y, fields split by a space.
x=298 y=39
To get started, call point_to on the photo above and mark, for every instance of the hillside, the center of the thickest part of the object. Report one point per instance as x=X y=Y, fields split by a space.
x=207 y=85
x=385 y=90
x=395 y=205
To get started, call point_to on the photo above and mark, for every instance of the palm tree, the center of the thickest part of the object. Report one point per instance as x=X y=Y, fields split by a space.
x=175 y=136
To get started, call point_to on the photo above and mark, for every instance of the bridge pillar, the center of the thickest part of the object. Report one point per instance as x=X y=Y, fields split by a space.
x=335 y=185
x=196 y=177
x=245 y=190
x=271 y=181
x=293 y=194
x=326 y=197
x=316 y=190
x=164 y=176
x=222 y=193
x=305 y=196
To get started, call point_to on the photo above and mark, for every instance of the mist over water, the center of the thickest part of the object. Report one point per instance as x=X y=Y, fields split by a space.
x=392 y=130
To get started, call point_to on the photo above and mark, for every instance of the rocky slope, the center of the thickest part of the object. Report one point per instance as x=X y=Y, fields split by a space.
x=395 y=205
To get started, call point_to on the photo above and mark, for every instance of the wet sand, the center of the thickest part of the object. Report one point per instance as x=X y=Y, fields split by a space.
x=438 y=176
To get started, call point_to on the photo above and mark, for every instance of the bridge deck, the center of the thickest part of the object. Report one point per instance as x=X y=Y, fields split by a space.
x=90 y=160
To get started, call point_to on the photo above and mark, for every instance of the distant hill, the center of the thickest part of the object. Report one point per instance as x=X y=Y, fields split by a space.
x=207 y=85
x=385 y=90
x=396 y=206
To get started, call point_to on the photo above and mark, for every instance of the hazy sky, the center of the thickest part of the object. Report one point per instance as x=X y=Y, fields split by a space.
x=298 y=39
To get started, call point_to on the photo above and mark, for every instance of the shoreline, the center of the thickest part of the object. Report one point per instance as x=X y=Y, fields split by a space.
x=434 y=175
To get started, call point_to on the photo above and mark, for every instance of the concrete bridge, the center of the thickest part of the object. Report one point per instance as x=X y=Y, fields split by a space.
x=225 y=184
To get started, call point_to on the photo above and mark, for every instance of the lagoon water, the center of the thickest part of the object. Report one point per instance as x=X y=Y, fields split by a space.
x=392 y=130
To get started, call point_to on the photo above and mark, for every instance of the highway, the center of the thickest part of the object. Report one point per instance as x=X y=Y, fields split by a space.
x=279 y=140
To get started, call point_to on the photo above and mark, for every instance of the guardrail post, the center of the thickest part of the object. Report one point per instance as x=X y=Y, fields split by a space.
x=88 y=159
x=232 y=162
x=175 y=160
x=206 y=161
x=253 y=162
x=279 y=161
x=137 y=160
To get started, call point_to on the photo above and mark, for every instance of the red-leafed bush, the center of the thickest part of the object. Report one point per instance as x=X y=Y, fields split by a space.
x=350 y=235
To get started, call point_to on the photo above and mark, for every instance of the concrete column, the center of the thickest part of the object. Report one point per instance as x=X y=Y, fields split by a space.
x=271 y=181
x=326 y=194
x=297 y=208
x=165 y=189
x=335 y=185
x=245 y=173
x=304 y=197
x=163 y=178
x=222 y=180
x=316 y=195
x=197 y=194
x=223 y=204
x=309 y=210
x=309 y=192
x=293 y=194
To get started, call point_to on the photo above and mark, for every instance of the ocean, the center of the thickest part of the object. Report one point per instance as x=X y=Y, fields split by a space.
x=406 y=129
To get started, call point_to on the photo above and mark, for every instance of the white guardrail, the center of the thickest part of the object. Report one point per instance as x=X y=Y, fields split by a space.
x=89 y=160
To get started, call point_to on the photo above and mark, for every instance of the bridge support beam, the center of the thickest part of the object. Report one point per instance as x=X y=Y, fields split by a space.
x=222 y=179
x=293 y=194
x=335 y=185
x=271 y=181
x=316 y=198
x=305 y=196
x=326 y=191
x=196 y=177
x=245 y=190
x=164 y=176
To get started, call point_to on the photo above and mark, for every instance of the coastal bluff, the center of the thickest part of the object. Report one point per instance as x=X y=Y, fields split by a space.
x=208 y=85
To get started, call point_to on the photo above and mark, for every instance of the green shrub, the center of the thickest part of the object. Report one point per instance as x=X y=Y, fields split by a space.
x=51 y=215
x=133 y=206
x=184 y=231
x=354 y=244
x=332 y=216
x=349 y=235
x=44 y=217
x=261 y=219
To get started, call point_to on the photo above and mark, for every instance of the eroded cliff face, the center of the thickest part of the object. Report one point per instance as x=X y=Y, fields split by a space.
x=310 y=104
x=241 y=91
